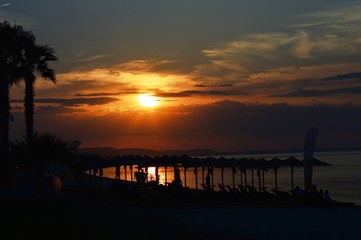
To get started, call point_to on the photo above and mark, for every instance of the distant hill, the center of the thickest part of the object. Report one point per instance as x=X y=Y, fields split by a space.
x=108 y=153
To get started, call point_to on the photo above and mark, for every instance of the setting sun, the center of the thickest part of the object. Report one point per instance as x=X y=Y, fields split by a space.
x=147 y=100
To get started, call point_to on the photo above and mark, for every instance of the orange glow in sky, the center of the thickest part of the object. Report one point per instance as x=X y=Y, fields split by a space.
x=147 y=100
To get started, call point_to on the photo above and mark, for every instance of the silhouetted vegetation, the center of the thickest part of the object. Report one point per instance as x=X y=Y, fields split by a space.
x=20 y=59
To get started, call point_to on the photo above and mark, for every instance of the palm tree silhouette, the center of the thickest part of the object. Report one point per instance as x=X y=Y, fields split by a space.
x=33 y=154
x=37 y=59
x=12 y=43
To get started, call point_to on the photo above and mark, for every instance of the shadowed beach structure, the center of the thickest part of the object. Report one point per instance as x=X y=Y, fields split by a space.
x=177 y=193
x=49 y=191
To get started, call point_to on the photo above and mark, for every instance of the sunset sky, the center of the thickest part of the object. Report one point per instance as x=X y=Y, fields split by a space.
x=227 y=75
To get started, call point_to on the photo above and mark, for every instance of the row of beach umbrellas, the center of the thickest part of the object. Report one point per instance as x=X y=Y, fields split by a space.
x=89 y=161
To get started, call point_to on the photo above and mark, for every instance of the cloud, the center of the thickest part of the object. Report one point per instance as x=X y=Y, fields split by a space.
x=106 y=94
x=73 y=101
x=5 y=5
x=260 y=52
x=225 y=125
x=356 y=75
x=338 y=16
x=317 y=93
x=213 y=85
x=142 y=66
x=298 y=46
x=91 y=58
x=190 y=93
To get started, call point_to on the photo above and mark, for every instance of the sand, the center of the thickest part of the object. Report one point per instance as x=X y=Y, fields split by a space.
x=91 y=216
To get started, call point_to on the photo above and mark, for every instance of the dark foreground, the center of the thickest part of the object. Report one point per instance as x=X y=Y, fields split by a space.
x=89 y=215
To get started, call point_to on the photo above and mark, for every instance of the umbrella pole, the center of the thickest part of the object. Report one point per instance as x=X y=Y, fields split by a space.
x=203 y=177
x=146 y=173
x=212 y=179
x=252 y=178
x=196 y=173
x=234 y=182
x=292 y=170
x=90 y=179
x=131 y=173
x=185 y=176
x=245 y=177
x=222 y=170
x=240 y=173
x=263 y=184
x=125 y=172
x=259 y=179
x=276 y=183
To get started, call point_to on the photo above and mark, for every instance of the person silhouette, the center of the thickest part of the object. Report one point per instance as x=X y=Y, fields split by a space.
x=208 y=181
x=117 y=172
x=326 y=195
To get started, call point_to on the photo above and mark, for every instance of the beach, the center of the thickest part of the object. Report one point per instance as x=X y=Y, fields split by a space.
x=341 y=178
x=87 y=216
x=108 y=212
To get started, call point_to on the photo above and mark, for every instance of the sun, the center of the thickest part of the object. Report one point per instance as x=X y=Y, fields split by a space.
x=147 y=100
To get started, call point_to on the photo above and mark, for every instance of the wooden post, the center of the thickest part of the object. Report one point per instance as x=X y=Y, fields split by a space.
x=276 y=183
x=90 y=179
x=245 y=177
x=185 y=176
x=125 y=172
x=101 y=179
x=222 y=170
x=165 y=175
x=196 y=173
x=292 y=170
x=240 y=173
x=131 y=173
x=203 y=178
x=146 y=173
x=157 y=174
x=263 y=182
x=212 y=178
x=259 y=179
x=233 y=180
x=252 y=177
x=94 y=179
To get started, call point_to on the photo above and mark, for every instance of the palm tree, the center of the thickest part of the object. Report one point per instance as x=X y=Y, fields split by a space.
x=12 y=44
x=36 y=60
x=35 y=153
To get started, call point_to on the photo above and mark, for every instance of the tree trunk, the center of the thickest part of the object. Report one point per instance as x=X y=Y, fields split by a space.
x=4 y=119
x=29 y=106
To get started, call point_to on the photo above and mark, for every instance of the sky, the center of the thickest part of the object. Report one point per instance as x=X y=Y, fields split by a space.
x=232 y=75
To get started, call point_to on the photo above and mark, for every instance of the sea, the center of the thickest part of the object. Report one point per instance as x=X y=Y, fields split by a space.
x=342 y=179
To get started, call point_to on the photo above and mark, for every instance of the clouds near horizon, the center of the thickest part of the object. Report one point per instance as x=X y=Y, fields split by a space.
x=227 y=75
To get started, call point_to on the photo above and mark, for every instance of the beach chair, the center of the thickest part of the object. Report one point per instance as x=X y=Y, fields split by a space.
x=222 y=188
